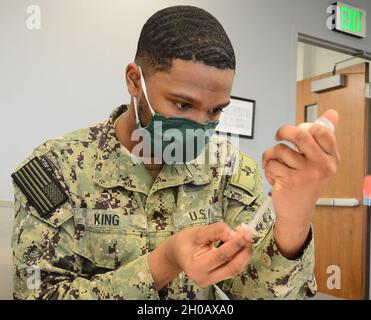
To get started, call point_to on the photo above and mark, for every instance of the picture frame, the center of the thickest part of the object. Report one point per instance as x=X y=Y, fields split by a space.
x=238 y=118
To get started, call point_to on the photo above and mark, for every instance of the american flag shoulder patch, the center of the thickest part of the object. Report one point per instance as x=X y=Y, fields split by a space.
x=41 y=188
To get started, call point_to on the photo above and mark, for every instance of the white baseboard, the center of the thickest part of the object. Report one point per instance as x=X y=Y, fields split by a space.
x=6 y=204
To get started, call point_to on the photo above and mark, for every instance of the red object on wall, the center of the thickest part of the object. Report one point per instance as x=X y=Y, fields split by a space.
x=367 y=191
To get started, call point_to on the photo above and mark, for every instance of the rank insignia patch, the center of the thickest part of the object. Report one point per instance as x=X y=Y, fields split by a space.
x=246 y=176
x=40 y=187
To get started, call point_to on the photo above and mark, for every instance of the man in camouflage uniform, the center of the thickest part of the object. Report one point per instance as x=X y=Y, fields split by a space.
x=94 y=222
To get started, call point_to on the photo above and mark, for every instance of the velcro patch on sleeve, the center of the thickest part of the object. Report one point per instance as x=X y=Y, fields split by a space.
x=246 y=175
x=40 y=187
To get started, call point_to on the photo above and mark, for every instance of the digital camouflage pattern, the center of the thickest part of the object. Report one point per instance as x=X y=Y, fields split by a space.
x=95 y=245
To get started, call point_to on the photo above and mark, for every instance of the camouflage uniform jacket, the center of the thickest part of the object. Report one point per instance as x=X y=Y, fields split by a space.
x=95 y=244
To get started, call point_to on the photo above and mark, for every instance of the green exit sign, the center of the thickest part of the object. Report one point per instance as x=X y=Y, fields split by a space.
x=350 y=20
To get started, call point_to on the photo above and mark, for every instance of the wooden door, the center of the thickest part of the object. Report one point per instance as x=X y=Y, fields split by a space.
x=342 y=233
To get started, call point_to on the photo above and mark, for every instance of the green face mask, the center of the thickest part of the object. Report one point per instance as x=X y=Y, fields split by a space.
x=173 y=139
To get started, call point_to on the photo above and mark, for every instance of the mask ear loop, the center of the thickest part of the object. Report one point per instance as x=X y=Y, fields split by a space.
x=145 y=90
x=135 y=99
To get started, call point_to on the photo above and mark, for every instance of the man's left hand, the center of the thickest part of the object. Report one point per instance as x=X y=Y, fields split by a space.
x=298 y=177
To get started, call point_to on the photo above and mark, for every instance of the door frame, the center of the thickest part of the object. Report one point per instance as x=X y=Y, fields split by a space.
x=334 y=46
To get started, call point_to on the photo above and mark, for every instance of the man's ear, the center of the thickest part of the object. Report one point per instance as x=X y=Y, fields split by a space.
x=133 y=79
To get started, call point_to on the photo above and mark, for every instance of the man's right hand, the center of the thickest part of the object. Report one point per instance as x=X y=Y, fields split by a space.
x=193 y=251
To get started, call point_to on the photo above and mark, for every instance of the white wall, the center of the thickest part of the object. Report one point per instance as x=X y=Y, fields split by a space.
x=300 y=61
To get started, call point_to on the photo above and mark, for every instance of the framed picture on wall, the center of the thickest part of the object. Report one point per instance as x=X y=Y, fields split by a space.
x=238 y=118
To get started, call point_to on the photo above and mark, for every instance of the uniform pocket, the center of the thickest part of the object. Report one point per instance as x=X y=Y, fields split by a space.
x=108 y=238
x=239 y=205
x=239 y=195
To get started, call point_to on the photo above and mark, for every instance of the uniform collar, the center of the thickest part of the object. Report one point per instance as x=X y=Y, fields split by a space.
x=108 y=151
x=115 y=167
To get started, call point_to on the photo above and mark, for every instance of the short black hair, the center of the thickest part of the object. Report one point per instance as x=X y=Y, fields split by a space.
x=187 y=33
